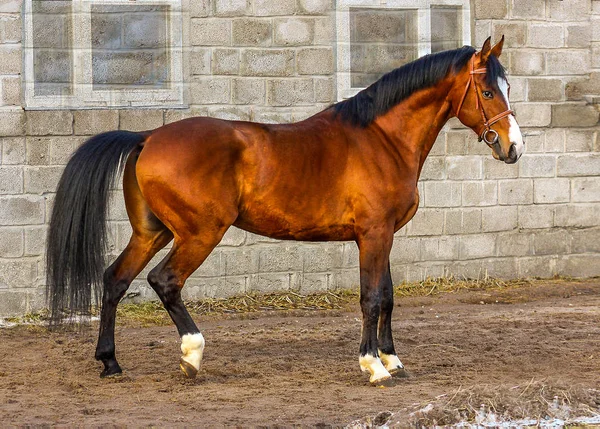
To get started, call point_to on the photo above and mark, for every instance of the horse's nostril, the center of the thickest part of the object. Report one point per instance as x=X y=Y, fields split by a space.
x=512 y=156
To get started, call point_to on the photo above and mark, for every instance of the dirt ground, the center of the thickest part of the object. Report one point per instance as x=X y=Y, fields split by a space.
x=301 y=368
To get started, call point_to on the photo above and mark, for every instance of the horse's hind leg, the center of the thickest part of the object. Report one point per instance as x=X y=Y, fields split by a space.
x=149 y=236
x=167 y=280
x=387 y=352
x=117 y=279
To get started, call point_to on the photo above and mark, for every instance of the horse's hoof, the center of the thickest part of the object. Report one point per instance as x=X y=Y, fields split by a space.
x=400 y=373
x=111 y=372
x=188 y=370
x=383 y=382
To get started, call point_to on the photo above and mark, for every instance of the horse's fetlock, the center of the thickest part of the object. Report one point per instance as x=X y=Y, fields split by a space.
x=387 y=349
x=105 y=354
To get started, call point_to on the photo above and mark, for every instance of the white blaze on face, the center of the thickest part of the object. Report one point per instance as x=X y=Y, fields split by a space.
x=514 y=132
x=192 y=347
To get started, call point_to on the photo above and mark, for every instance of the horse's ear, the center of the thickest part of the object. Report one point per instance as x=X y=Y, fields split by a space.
x=486 y=49
x=497 y=49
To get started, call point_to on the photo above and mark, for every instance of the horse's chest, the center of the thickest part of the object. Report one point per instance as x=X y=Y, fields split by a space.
x=406 y=209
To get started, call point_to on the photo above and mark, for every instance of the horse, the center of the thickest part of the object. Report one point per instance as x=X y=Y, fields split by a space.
x=348 y=173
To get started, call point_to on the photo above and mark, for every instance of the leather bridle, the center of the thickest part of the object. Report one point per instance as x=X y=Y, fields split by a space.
x=487 y=123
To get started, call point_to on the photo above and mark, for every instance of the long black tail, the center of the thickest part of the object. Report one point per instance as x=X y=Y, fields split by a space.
x=76 y=248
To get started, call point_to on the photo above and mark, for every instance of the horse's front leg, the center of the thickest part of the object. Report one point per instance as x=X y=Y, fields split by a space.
x=387 y=352
x=374 y=249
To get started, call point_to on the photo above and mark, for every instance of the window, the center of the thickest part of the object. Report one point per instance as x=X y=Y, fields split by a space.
x=376 y=36
x=103 y=53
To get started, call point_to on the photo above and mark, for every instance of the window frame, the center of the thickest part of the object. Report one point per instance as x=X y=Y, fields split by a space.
x=84 y=96
x=423 y=8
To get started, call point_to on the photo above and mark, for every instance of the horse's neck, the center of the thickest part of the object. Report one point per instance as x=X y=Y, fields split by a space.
x=414 y=124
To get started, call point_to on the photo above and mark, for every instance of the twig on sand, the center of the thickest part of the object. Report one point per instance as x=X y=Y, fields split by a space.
x=453 y=396
x=432 y=289
x=526 y=387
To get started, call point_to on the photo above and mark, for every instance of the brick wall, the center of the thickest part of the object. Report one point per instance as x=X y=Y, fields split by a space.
x=273 y=61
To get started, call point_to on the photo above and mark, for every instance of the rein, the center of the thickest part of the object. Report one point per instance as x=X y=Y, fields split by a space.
x=487 y=123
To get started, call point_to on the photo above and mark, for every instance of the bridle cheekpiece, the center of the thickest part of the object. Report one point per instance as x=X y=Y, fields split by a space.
x=487 y=123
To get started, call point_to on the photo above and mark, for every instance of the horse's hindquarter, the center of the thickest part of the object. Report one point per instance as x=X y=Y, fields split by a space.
x=187 y=171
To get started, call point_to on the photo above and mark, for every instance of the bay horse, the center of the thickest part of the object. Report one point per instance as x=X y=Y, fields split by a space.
x=347 y=173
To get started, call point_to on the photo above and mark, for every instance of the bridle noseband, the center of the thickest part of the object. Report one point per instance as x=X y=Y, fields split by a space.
x=487 y=123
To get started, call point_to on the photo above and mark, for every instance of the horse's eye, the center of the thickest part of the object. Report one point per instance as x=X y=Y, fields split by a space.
x=488 y=94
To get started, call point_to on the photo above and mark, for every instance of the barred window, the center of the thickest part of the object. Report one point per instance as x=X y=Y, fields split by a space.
x=103 y=53
x=375 y=36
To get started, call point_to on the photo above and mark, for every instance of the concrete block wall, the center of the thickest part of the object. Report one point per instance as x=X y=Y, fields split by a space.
x=263 y=60
x=270 y=61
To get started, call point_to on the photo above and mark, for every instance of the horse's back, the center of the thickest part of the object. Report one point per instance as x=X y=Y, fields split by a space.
x=259 y=152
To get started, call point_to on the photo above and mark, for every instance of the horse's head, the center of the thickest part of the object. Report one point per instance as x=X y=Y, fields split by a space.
x=480 y=100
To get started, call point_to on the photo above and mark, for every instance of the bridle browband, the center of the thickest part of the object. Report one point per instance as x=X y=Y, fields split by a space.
x=487 y=123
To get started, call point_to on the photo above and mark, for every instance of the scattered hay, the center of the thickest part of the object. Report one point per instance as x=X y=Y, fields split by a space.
x=530 y=404
x=435 y=286
x=153 y=312
x=279 y=301
x=342 y=298
x=29 y=318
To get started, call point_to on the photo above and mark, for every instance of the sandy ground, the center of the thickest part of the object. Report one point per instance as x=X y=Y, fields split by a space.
x=302 y=368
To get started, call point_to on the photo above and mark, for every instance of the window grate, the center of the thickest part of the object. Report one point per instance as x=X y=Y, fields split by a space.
x=376 y=36
x=103 y=53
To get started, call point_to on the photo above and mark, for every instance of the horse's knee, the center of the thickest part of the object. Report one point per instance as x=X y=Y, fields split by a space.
x=158 y=280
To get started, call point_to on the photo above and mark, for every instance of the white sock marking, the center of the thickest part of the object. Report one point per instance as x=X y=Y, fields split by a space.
x=373 y=365
x=192 y=347
x=391 y=362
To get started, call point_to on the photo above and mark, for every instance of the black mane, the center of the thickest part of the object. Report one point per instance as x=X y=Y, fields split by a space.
x=400 y=83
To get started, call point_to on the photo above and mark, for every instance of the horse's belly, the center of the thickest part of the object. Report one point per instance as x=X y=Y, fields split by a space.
x=295 y=225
